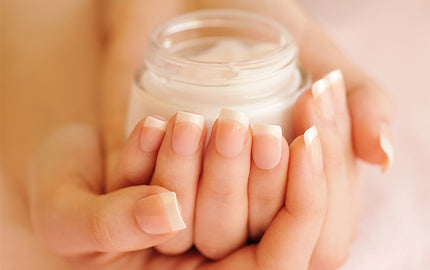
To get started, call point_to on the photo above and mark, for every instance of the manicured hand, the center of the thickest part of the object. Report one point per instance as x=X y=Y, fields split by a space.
x=77 y=219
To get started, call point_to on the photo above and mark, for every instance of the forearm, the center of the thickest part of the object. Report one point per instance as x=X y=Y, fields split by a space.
x=49 y=76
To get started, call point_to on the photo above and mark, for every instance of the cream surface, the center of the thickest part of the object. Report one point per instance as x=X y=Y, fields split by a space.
x=231 y=50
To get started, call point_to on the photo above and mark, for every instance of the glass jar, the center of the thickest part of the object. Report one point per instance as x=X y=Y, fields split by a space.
x=211 y=59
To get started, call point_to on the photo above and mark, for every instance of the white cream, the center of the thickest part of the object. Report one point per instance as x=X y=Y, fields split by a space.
x=205 y=74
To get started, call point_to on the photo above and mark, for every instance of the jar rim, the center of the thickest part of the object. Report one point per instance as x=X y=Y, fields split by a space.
x=284 y=55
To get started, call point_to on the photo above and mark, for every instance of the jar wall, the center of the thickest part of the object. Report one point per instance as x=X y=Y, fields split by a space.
x=208 y=60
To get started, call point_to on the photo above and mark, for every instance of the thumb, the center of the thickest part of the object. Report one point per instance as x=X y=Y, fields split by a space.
x=133 y=218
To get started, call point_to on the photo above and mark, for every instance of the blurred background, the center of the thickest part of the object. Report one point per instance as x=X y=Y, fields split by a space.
x=390 y=39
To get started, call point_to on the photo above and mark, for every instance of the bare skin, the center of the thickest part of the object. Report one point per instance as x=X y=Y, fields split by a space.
x=111 y=60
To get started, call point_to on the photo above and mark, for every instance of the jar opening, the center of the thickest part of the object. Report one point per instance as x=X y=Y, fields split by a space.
x=180 y=49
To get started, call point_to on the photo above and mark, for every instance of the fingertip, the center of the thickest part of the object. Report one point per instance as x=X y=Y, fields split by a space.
x=159 y=214
x=386 y=145
x=267 y=145
x=306 y=192
x=373 y=144
x=137 y=159
x=152 y=133
x=304 y=114
x=372 y=112
x=187 y=133
x=133 y=218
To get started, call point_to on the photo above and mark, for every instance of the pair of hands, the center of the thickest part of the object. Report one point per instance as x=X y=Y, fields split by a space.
x=298 y=203
x=78 y=218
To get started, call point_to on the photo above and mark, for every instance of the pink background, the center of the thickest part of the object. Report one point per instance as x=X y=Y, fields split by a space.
x=391 y=40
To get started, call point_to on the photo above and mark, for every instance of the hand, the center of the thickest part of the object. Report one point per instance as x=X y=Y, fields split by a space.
x=362 y=125
x=218 y=193
x=371 y=108
x=370 y=111
x=325 y=106
x=77 y=220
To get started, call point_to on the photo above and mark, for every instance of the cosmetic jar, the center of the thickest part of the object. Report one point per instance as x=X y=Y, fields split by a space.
x=211 y=59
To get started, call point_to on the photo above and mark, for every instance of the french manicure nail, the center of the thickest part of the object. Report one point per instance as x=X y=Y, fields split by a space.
x=239 y=117
x=155 y=123
x=187 y=133
x=231 y=132
x=337 y=83
x=313 y=144
x=266 y=145
x=322 y=99
x=159 y=214
x=335 y=77
x=310 y=136
x=387 y=147
x=152 y=134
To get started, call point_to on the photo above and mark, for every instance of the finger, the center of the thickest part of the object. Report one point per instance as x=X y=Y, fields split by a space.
x=137 y=161
x=371 y=115
x=304 y=210
x=178 y=169
x=126 y=26
x=267 y=179
x=78 y=222
x=222 y=199
x=322 y=106
x=371 y=107
x=289 y=241
x=326 y=102
x=343 y=125
x=71 y=216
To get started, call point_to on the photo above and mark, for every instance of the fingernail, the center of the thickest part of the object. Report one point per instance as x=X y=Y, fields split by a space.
x=387 y=147
x=159 y=214
x=187 y=132
x=322 y=99
x=336 y=81
x=266 y=145
x=313 y=144
x=152 y=134
x=231 y=132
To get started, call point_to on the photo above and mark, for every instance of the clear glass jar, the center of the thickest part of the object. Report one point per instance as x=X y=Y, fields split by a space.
x=207 y=60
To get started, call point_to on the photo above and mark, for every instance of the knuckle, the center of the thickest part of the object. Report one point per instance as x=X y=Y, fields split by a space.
x=314 y=208
x=101 y=232
x=220 y=189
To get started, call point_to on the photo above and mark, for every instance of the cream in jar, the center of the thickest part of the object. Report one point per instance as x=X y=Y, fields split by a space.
x=208 y=60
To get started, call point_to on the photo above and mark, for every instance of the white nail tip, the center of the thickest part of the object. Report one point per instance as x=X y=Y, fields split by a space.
x=334 y=76
x=154 y=122
x=319 y=87
x=172 y=210
x=274 y=130
x=387 y=147
x=190 y=117
x=310 y=135
x=235 y=115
